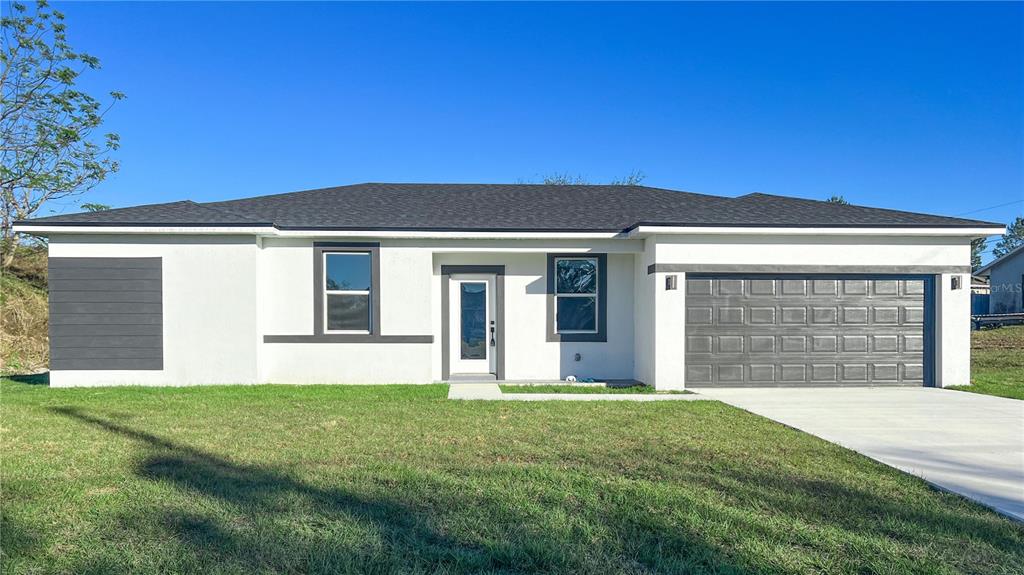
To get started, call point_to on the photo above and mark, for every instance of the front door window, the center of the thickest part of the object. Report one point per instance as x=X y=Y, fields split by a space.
x=474 y=320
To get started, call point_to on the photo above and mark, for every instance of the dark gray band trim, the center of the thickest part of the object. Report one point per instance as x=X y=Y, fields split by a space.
x=348 y=338
x=319 y=248
x=499 y=297
x=602 y=301
x=803 y=269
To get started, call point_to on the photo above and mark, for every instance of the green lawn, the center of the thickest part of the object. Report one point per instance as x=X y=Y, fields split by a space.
x=398 y=479
x=997 y=362
x=555 y=388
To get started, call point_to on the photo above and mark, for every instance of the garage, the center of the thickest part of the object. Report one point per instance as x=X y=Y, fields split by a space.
x=765 y=330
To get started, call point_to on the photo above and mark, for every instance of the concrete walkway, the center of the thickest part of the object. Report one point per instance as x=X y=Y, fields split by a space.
x=491 y=391
x=966 y=443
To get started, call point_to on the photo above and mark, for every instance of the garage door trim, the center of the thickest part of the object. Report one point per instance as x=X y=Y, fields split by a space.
x=928 y=327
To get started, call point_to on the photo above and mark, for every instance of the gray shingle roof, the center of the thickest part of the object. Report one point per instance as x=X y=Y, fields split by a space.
x=503 y=207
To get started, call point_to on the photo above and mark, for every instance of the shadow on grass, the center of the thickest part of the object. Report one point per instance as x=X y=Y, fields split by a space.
x=376 y=534
x=30 y=379
x=737 y=519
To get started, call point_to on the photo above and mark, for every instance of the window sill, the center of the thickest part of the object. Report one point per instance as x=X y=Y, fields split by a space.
x=348 y=338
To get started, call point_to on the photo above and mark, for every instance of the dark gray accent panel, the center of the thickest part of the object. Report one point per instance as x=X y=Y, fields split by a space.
x=499 y=302
x=319 y=248
x=348 y=338
x=803 y=269
x=602 y=301
x=820 y=330
x=106 y=313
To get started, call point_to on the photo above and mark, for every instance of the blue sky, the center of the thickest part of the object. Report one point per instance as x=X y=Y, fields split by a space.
x=908 y=106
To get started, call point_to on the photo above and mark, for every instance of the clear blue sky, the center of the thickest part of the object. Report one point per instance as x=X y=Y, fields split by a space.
x=908 y=106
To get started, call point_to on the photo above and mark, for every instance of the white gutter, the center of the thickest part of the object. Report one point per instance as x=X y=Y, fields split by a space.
x=638 y=232
x=645 y=231
x=270 y=231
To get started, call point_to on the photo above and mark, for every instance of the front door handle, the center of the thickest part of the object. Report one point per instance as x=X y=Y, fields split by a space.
x=492 y=334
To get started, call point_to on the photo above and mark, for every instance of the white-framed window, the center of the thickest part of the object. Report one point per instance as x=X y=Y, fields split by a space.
x=346 y=291
x=576 y=295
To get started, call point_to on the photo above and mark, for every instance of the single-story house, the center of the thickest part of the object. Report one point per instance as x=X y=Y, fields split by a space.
x=1006 y=282
x=418 y=283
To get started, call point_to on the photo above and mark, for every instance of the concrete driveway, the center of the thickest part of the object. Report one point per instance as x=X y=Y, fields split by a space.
x=966 y=443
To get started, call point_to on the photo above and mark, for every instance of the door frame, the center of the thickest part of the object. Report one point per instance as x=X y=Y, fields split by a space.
x=499 y=315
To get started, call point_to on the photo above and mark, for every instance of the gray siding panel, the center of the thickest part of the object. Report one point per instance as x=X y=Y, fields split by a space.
x=106 y=313
x=106 y=297
x=107 y=364
x=106 y=319
x=105 y=274
x=109 y=307
x=150 y=329
x=106 y=263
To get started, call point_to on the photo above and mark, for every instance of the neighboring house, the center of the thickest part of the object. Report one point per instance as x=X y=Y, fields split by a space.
x=979 y=295
x=1005 y=278
x=381 y=283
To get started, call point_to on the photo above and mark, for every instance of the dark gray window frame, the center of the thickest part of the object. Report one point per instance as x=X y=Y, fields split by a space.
x=602 y=300
x=318 y=336
x=321 y=248
x=499 y=302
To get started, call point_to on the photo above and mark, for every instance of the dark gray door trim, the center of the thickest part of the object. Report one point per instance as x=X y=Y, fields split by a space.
x=348 y=338
x=804 y=269
x=602 y=301
x=319 y=248
x=499 y=301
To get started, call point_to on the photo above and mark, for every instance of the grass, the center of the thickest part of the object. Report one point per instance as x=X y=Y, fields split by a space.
x=997 y=362
x=389 y=479
x=554 y=388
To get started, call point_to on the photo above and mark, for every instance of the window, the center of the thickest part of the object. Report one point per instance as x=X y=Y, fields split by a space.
x=576 y=295
x=347 y=287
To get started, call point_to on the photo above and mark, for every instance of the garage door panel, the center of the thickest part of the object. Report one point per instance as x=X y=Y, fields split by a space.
x=778 y=331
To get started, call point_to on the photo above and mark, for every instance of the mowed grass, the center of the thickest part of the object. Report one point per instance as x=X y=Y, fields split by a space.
x=997 y=362
x=397 y=479
x=555 y=388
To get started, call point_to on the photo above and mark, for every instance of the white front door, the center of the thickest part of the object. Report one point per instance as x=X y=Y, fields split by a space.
x=472 y=328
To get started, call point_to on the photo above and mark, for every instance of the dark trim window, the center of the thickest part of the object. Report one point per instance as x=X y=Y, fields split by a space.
x=347 y=288
x=577 y=297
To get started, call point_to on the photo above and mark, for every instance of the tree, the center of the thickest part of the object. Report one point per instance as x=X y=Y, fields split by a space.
x=977 y=248
x=633 y=179
x=92 y=207
x=566 y=179
x=1013 y=238
x=50 y=145
x=838 y=200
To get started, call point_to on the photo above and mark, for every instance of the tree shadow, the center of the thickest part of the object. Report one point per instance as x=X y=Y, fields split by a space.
x=30 y=379
x=390 y=536
x=267 y=519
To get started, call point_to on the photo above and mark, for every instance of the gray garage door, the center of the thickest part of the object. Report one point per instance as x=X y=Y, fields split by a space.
x=798 y=330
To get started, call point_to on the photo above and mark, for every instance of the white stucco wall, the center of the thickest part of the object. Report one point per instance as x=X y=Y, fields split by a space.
x=286 y=303
x=528 y=354
x=222 y=294
x=209 y=307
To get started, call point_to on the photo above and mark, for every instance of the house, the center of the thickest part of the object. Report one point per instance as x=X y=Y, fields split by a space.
x=980 y=292
x=381 y=283
x=1006 y=276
